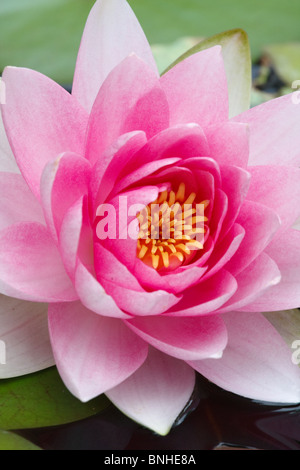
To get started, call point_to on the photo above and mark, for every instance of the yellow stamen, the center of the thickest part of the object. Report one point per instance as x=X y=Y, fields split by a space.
x=181 y=192
x=168 y=217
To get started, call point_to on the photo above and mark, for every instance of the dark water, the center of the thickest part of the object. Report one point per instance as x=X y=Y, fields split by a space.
x=214 y=417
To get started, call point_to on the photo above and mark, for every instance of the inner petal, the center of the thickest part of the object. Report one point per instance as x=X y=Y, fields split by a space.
x=172 y=229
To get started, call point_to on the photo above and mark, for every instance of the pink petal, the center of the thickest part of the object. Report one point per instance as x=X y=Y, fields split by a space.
x=182 y=141
x=277 y=187
x=108 y=267
x=7 y=159
x=207 y=296
x=260 y=224
x=259 y=276
x=285 y=251
x=219 y=207
x=155 y=395
x=93 y=296
x=42 y=120
x=274 y=132
x=112 y=32
x=69 y=237
x=130 y=99
x=196 y=89
x=24 y=330
x=108 y=166
x=124 y=247
x=18 y=204
x=185 y=338
x=31 y=267
x=92 y=353
x=256 y=363
x=225 y=250
x=142 y=172
x=171 y=282
x=235 y=184
x=140 y=302
x=204 y=164
x=229 y=143
x=176 y=175
x=64 y=181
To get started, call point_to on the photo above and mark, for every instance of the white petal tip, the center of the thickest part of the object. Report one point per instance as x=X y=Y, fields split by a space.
x=217 y=355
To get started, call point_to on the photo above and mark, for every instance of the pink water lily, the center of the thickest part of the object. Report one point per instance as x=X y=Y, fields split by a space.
x=136 y=318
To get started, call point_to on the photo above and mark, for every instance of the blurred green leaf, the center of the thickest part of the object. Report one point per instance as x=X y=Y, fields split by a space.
x=41 y=400
x=287 y=323
x=259 y=97
x=266 y=22
x=166 y=54
x=43 y=35
x=286 y=60
x=10 y=441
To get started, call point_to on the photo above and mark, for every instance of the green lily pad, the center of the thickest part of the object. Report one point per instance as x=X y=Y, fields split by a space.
x=40 y=400
x=11 y=441
x=286 y=60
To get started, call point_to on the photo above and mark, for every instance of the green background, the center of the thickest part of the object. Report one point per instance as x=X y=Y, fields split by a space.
x=45 y=34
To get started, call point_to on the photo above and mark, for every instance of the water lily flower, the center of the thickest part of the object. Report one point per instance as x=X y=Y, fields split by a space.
x=135 y=317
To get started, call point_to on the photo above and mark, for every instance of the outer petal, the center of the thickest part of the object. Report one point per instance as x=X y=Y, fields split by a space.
x=93 y=296
x=296 y=225
x=278 y=188
x=31 y=267
x=156 y=394
x=7 y=159
x=260 y=275
x=17 y=203
x=229 y=143
x=256 y=363
x=274 y=132
x=42 y=120
x=285 y=251
x=92 y=353
x=197 y=89
x=24 y=330
x=112 y=32
x=237 y=60
x=185 y=338
x=130 y=99
x=207 y=296
x=260 y=224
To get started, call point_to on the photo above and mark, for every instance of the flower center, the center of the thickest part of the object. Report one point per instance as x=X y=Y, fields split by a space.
x=171 y=229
